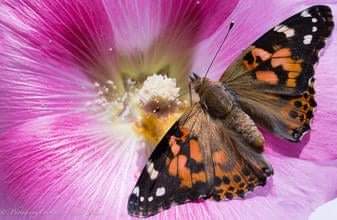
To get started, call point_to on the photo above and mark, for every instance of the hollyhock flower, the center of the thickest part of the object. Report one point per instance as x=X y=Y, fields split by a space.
x=80 y=85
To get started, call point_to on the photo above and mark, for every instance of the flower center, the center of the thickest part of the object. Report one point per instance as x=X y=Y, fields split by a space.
x=150 y=107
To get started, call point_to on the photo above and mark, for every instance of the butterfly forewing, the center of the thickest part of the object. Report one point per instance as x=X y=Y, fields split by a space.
x=197 y=159
x=273 y=79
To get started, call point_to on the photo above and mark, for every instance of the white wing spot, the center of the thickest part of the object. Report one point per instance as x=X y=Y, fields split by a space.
x=289 y=32
x=314 y=29
x=282 y=28
x=154 y=174
x=160 y=191
x=314 y=20
x=311 y=81
x=150 y=167
x=142 y=199
x=150 y=199
x=305 y=14
x=136 y=191
x=307 y=39
x=277 y=27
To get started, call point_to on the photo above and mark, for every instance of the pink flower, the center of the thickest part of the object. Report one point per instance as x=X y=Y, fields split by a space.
x=73 y=77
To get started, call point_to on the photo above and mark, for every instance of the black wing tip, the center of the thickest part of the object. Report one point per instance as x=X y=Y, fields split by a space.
x=137 y=211
x=325 y=9
x=326 y=13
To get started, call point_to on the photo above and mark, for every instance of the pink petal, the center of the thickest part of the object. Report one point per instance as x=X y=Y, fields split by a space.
x=30 y=89
x=139 y=23
x=69 y=31
x=44 y=47
x=252 y=19
x=75 y=165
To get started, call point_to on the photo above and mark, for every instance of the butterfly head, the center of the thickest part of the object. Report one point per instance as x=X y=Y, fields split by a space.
x=198 y=83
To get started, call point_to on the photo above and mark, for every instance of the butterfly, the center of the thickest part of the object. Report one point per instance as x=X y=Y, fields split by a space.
x=214 y=151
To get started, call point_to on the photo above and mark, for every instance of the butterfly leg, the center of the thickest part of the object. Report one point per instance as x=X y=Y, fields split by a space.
x=190 y=92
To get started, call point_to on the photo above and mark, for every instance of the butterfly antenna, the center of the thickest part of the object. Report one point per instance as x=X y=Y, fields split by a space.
x=217 y=52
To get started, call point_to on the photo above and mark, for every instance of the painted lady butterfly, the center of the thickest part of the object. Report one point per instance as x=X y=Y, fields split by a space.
x=215 y=150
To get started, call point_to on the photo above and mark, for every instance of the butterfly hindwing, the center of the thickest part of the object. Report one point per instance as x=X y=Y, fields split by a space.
x=274 y=78
x=198 y=158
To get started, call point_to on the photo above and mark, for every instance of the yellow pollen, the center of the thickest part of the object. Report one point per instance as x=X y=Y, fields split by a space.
x=152 y=128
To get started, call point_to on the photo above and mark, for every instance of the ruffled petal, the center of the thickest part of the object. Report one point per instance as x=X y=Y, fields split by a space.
x=255 y=18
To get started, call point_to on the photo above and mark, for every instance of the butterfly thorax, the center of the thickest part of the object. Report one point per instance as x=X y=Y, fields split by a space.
x=220 y=102
x=214 y=97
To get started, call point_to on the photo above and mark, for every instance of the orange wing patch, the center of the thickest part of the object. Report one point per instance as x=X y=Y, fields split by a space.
x=283 y=58
x=173 y=166
x=256 y=55
x=183 y=172
x=187 y=153
x=219 y=157
x=291 y=83
x=269 y=77
x=284 y=52
x=195 y=150
x=175 y=148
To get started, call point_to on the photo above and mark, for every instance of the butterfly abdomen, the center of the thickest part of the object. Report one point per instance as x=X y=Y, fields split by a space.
x=240 y=122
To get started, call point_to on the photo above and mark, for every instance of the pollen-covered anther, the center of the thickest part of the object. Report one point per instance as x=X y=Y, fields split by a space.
x=159 y=86
x=159 y=95
x=160 y=105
